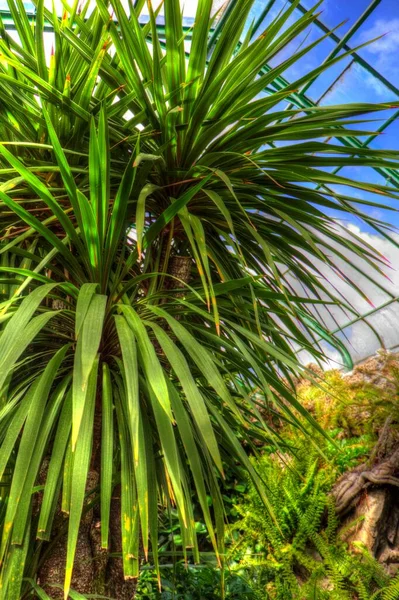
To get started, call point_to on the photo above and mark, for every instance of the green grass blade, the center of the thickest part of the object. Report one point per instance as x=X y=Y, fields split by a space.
x=32 y=426
x=191 y=392
x=53 y=479
x=81 y=459
x=85 y=356
x=154 y=372
x=107 y=453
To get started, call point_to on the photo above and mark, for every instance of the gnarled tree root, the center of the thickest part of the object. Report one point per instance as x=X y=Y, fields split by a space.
x=367 y=501
x=381 y=470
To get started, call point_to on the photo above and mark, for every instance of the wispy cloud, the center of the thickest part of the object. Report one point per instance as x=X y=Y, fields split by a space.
x=389 y=43
x=383 y=52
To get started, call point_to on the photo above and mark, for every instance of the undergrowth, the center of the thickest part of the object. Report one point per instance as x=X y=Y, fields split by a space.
x=299 y=553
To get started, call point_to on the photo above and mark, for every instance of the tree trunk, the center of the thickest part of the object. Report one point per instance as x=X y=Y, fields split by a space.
x=367 y=499
x=117 y=587
x=94 y=570
x=53 y=569
x=179 y=267
x=88 y=576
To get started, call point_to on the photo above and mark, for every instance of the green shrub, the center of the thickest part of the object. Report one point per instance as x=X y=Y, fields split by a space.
x=300 y=555
x=193 y=582
x=354 y=404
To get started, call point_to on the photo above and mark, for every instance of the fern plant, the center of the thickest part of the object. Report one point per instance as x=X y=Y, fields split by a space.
x=391 y=592
x=300 y=554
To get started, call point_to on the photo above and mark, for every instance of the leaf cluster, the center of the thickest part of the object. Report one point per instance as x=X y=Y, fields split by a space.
x=122 y=156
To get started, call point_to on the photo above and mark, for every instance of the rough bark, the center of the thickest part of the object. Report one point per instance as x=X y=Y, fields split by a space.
x=97 y=570
x=179 y=267
x=53 y=569
x=117 y=587
x=367 y=501
x=88 y=576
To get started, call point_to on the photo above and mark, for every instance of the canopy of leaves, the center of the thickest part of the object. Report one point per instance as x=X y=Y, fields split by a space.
x=125 y=162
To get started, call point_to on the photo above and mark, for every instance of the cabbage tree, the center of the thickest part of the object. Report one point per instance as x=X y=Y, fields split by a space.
x=158 y=199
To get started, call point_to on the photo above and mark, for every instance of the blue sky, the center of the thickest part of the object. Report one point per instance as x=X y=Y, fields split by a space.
x=356 y=84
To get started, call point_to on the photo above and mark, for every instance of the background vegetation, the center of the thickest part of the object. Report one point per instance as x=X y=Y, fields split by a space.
x=306 y=553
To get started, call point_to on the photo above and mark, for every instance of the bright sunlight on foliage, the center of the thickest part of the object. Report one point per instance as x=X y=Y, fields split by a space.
x=155 y=209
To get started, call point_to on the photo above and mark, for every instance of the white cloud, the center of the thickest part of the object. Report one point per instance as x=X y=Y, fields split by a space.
x=372 y=82
x=383 y=52
x=389 y=43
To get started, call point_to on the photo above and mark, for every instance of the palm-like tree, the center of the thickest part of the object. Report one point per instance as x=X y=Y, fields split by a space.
x=152 y=225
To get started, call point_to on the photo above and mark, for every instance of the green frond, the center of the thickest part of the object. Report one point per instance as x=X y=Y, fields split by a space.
x=159 y=214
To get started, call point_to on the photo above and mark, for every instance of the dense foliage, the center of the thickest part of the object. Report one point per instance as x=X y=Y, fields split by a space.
x=358 y=403
x=302 y=556
x=159 y=213
x=306 y=553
